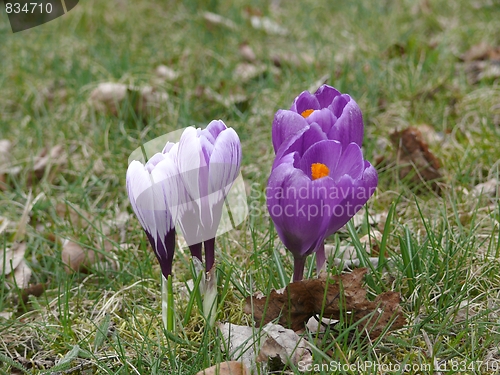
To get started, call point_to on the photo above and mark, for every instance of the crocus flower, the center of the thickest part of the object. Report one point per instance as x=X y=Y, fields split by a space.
x=151 y=187
x=337 y=115
x=209 y=162
x=317 y=182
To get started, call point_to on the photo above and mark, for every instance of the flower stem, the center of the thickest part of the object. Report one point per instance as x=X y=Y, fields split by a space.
x=167 y=303
x=209 y=254
x=298 y=268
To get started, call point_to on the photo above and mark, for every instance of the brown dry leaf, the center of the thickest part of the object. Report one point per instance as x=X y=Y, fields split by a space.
x=481 y=51
x=32 y=290
x=414 y=158
x=226 y=368
x=76 y=258
x=482 y=61
x=108 y=97
x=47 y=163
x=330 y=297
x=12 y=257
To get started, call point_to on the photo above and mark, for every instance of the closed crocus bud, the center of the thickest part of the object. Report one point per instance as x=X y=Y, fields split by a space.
x=151 y=189
x=337 y=115
x=208 y=162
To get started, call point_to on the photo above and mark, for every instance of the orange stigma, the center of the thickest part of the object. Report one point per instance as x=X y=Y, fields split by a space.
x=307 y=113
x=319 y=170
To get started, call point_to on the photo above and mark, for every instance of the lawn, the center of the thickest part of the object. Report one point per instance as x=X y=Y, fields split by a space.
x=432 y=65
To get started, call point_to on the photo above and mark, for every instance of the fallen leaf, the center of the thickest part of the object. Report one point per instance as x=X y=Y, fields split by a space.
x=77 y=217
x=213 y=19
x=489 y=188
x=109 y=97
x=76 y=258
x=331 y=297
x=241 y=342
x=165 y=73
x=482 y=61
x=32 y=290
x=285 y=344
x=12 y=257
x=414 y=159
x=247 y=53
x=267 y=25
x=5 y=147
x=252 y=346
x=6 y=314
x=226 y=368
x=245 y=72
x=294 y=59
x=22 y=275
x=481 y=51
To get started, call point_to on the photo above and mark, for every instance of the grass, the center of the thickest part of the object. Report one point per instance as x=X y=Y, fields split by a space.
x=399 y=60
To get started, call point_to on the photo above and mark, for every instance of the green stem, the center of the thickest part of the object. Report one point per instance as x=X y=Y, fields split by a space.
x=167 y=303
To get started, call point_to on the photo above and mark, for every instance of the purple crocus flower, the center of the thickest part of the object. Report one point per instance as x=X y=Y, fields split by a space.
x=337 y=115
x=152 y=188
x=317 y=182
x=208 y=162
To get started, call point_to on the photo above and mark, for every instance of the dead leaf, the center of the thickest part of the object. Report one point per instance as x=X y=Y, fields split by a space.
x=294 y=59
x=482 y=61
x=165 y=73
x=213 y=19
x=331 y=297
x=481 y=51
x=241 y=342
x=489 y=188
x=245 y=72
x=77 y=217
x=414 y=158
x=32 y=290
x=76 y=258
x=109 y=97
x=226 y=368
x=6 y=314
x=271 y=341
x=247 y=53
x=22 y=275
x=267 y=25
x=12 y=257
x=5 y=146
x=285 y=344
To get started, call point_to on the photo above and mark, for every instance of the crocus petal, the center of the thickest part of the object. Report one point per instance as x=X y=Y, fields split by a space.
x=149 y=204
x=349 y=125
x=324 y=118
x=325 y=95
x=325 y=152
x=285 y=124
x=213 y=129
x=300 y=142
x=354 y=194
x=296 y=208
x=305 y=101
x=351 y=162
